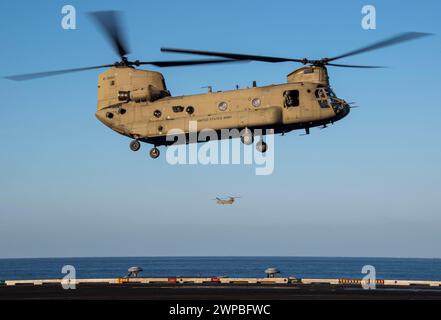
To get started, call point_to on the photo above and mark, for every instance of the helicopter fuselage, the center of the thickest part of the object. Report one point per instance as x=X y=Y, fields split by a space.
x=225 y=201
x=136 y=103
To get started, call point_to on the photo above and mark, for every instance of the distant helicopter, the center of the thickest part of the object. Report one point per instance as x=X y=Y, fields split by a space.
x=229 y=200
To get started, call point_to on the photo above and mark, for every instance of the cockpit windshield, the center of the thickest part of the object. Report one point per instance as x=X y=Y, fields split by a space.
x=330 y=92
x=327 y=98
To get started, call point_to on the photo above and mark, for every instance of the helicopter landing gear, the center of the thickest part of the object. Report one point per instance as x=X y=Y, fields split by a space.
x=261 y=146
x=154 y=152
x=135 y=145
x=247 y=137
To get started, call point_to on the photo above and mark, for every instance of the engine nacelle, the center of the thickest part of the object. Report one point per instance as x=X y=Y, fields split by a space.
x=312 y=74
x=124 y=84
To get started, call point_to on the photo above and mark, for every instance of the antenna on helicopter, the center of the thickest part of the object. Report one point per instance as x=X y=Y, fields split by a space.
x=210 y=88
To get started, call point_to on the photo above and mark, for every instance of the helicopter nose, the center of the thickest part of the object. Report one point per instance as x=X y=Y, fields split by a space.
x=342 y=110
x=99 y=116
x=104 y=117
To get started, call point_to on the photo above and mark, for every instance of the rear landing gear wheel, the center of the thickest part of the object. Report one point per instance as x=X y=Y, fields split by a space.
x=135 y=145
x=247 y=137
x=154 y=152
x=261 y=146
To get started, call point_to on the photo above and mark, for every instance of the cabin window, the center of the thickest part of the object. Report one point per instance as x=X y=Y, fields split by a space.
x=178 y=108
x=222 y=106
x=190 y=110
x=291 y=98
x=256 y=102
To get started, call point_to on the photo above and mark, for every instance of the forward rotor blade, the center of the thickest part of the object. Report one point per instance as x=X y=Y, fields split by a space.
x=185 y=62
x=110 y=24
x=403 y=37
x=234 y=56
x=30 y=76
x=354 y=66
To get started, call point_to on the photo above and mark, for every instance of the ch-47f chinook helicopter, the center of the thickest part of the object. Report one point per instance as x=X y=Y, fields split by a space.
x=137 y=104
x=223 y=201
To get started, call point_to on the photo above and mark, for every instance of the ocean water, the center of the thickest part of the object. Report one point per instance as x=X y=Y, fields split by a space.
x=300 y=267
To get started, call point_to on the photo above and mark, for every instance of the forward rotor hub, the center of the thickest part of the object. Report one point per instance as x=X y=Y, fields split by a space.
x=124 y=63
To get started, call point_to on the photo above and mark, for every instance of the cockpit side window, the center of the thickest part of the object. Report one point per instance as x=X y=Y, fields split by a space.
x=291 y=98
x=322 y=98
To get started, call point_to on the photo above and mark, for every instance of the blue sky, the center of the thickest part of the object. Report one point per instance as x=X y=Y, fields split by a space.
x=368 y=186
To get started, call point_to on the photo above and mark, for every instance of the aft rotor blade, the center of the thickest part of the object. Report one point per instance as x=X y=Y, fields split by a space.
x=30 y=76
x=403 y=37
x=181 y=63
x=235 y=56
x=110 y=22
x=354 y=66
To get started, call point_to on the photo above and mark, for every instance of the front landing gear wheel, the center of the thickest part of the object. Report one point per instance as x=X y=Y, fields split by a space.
x=261 y=146
x=247 y=137
x=135 y=145
x=154 y=152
